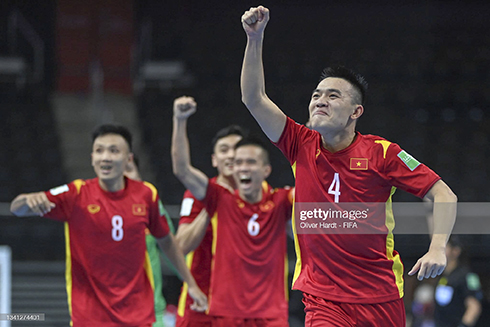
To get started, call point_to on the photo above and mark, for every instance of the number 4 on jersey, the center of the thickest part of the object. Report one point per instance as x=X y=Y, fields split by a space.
x=335 y=187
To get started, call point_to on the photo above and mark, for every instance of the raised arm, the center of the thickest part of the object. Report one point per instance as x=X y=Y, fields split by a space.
x=31 y=204
x=174 y=254
x=193 y=179
x=434 y=261
x=270 y=118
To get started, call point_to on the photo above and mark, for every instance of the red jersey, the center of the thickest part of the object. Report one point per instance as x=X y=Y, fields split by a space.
x=355 y=268
x=108 y=272
x=249 y=267
x=198 y=261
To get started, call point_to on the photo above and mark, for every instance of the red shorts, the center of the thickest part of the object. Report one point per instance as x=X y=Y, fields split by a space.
x=193 y=322
x=249 y=322
x=323 y=313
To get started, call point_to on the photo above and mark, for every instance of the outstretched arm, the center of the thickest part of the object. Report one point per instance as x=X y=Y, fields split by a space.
x=189 y=236
x=193 y=179
x=434 y=262
x=174 y=254
x=270 y=118
x=31 y=204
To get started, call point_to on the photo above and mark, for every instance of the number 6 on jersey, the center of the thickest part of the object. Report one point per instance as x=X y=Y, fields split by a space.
x=253 y=226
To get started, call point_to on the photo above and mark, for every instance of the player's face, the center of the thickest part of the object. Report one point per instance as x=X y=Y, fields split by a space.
x=332 y=106
x=250 y=170
x=224 y=154
x=110 y=157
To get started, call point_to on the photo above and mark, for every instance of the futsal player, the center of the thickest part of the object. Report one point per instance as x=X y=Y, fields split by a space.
x=249 y=240
x=195 y=234
x=346 y=279
x=108 y=273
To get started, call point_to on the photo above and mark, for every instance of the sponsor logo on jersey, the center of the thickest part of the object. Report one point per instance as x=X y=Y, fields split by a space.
x=409 y=161
x=139 y=209
x=358 y=164
x=58 y=190
x=93 y=208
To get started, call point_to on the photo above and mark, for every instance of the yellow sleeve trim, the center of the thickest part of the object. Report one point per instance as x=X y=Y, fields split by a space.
x=397 y=266
x=153 y=190
x=68 y=274
x=385 y=145
x=185 y=287
x=78 y=184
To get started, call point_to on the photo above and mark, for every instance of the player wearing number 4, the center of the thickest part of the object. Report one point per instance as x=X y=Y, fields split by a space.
x=249 y=231
x=108 y=272
x=347 y=280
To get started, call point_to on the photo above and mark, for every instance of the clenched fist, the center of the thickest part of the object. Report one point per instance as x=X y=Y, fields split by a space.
x=254 y=21
x=184 y=107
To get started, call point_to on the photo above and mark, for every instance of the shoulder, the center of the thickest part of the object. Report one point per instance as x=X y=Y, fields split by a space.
x=188 y=195
x=378 y=145
x=143 y=188
x=285 y=193
x=301 y=130
x=80 y=184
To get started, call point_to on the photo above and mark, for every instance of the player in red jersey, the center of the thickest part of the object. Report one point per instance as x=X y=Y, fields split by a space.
x=249 y=241
x=348 y=279
x=195 y=234
x=109 y=277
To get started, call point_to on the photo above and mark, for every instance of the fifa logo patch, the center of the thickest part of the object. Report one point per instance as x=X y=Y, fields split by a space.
x=358 y=164
x=93 y=208
x=408 y=160
x=139 y=210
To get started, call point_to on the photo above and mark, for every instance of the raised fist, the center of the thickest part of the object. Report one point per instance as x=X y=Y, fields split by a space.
x=254 y=21
x=184 y=107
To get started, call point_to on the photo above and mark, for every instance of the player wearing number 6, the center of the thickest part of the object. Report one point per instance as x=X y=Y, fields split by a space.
x=248 y=274
x=108 y=272
x=347 y=280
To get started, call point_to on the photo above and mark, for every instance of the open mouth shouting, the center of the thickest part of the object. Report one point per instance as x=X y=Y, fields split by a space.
x=105 y=169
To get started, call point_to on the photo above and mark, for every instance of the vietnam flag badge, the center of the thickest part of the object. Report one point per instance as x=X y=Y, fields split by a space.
x=358 y=164
x=139 y=209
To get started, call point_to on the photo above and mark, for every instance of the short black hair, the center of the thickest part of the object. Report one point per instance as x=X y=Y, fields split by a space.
x=356 y=80
x=226 y=131
x=255 y=141
x=113 y=129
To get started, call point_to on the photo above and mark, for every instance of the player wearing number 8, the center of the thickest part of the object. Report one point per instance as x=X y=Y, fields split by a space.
x=108 y=273
x=249 y=232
